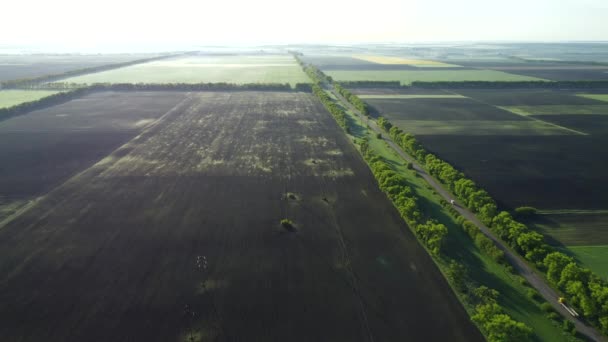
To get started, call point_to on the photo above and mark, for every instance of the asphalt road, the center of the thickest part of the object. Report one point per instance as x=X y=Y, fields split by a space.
x=518 y=263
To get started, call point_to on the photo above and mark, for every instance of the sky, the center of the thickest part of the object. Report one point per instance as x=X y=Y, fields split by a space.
x=127 y=23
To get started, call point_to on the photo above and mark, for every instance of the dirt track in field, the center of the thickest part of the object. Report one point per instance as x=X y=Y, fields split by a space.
x=111 y=255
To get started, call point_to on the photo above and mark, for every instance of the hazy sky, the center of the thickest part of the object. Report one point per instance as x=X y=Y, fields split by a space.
x=123 y=22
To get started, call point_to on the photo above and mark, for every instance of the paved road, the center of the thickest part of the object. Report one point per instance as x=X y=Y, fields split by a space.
x=517 y=261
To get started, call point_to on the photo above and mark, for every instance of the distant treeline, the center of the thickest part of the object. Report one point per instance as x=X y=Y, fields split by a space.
x=71 y=93
x=586 y=291
x=27 y=82
x=487 y=313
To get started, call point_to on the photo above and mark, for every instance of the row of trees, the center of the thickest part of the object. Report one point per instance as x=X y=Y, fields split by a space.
x=493 y=321
x=353 y=99
x=586 y=290
x=27 y=82
x=335 y=110
x=431 y=233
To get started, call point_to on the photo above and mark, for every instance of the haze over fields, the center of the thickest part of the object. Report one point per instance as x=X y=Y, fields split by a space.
x=396 y=170
x=183 y=24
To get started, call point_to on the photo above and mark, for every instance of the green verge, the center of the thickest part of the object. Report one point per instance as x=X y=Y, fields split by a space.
x=459 y=246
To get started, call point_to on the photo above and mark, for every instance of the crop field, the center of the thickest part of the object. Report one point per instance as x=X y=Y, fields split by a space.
x=552 y=157
x=408 y=76
x=14 y=67
x=454 y=114
x=46 y=147
x=9 y=98
x=458 y=245
x=574 y=227
x=420 y=63
x=207 y=69
x=593 y=256
x=117 y=245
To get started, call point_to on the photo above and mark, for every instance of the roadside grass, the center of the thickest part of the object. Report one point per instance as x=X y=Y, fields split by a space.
x=485 y=271
x=406 y=77
x=9 y=98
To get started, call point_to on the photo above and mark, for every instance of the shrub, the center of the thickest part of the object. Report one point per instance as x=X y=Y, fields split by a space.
x=525 y=212
x=288 y=225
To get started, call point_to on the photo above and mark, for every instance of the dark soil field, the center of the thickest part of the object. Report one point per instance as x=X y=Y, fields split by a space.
x=550 y=172
x=14 y=67
x=114 y=254
x=40 y=150
x=596 y=124
x=439 y=109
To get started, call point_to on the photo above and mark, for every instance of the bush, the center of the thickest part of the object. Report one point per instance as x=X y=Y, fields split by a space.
x=568 y=326
x=288 y=225
x=525 y=212
x=379 y=135
x=553 y=316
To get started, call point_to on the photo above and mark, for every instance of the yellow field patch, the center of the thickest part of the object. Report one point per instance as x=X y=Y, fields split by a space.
x=400 y=60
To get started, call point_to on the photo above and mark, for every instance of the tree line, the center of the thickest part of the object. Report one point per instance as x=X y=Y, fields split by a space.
x=487 y=314
x=586 y=291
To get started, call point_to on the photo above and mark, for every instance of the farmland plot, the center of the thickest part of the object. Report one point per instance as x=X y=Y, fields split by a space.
x=9 y=98
x=116 y=247
x=205 y=69
x=40 y=150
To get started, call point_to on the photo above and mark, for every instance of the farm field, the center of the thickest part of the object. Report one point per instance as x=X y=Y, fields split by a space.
x=213 y=178
x=205 y=69
x=456 y=115
x=20 y=66
x=58 y=142
x=553 y=158
x=459 y=246
x=420 y=63
x=9 y=98
x=406 y=77
x=592 y=256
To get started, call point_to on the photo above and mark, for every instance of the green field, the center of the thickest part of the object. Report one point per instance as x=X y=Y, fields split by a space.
x=9 y=98
x=599 y=97
x=558 y=109
x=593 y=257
x=408 y=76
x=412 y=96
x=480 y=127
x=229 y=69
x=459 y=246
